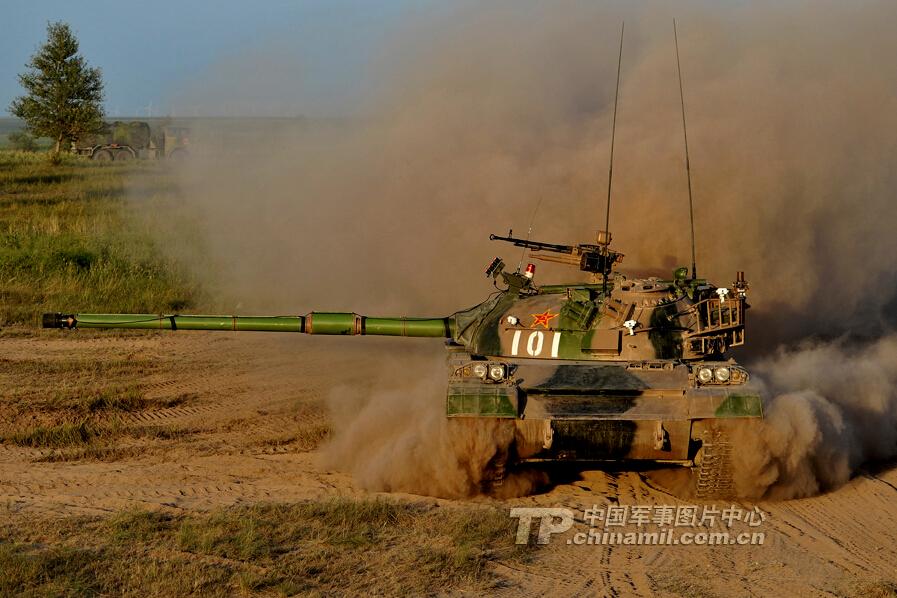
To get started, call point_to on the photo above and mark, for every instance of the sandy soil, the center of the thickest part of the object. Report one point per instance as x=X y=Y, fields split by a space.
x=251 y=394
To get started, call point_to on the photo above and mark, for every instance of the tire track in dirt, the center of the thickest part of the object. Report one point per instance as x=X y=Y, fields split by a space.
x=108 y=486
x=817 y=546
x=239 y=383
x=577 y=570
x=842 y=525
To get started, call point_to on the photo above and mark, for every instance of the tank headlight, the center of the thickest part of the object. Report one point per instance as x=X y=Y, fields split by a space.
x=479 y=370
x=496 y=371
x=705 y=375
x=721 y=374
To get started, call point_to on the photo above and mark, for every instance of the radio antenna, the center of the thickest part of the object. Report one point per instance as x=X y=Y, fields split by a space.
x=613 y=131
x=529 y=232
x=610 y=168
x=691 y=210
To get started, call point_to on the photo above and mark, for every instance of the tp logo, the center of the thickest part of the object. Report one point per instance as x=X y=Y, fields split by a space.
x=553 y=521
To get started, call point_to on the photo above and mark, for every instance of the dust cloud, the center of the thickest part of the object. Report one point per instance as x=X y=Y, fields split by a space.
x=481 y=112
x=397 y=438
x=833 y=409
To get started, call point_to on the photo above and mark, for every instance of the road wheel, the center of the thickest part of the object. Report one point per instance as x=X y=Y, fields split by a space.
x=123 y=155
x=102 y=156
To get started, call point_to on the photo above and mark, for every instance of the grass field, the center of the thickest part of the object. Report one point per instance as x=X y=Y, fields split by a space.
x=73 y=237
x=84 y=236
x=73 y=407
x=14 y=125
x=340 y=546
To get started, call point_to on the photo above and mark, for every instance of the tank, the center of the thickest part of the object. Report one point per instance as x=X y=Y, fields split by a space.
x=613 y=370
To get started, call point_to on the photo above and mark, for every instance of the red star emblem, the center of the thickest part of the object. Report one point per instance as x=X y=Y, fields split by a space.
x=543 y=319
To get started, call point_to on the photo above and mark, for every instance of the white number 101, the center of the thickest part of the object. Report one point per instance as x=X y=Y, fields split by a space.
x=535 y=343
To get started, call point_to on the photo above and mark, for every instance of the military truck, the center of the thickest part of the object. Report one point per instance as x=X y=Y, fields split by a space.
x=121 y=141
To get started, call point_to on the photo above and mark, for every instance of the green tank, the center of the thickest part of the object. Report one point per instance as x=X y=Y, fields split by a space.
x=617 y=369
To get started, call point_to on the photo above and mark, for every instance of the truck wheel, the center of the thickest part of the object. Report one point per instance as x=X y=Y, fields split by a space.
x=123 y=155
x=178 y=155
x=102 y=156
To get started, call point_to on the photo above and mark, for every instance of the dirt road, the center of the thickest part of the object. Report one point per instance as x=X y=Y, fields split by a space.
x=234 y=419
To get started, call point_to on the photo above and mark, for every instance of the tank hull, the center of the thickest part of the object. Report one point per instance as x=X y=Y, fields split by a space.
x=583 y=411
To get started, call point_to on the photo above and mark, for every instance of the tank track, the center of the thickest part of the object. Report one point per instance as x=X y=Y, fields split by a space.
x=713 y=476
x=495 y=473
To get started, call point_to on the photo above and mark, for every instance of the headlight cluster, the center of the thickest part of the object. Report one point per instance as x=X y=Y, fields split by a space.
x=720 y=374
x=491 y=372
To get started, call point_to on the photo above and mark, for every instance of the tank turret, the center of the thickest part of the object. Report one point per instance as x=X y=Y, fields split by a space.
x=626 y=319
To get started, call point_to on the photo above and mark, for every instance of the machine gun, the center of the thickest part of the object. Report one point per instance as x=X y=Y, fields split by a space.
x=595 y=259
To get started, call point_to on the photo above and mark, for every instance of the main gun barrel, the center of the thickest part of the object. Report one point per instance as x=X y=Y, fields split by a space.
x=349 y=324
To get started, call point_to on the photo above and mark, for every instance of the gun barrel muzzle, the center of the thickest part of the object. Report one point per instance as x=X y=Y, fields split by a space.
x=58 y=320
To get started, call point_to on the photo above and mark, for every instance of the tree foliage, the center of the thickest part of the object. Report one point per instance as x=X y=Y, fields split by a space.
x=22 y=141
x=64 y=95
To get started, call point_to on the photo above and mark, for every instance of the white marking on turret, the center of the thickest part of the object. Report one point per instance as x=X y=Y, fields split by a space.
x=535 y=342
x=515 y=344
x=555 y=344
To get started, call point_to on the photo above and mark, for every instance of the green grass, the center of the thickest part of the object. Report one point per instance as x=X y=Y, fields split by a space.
x=43 y=143
x=370 y=546
x=125 y=398
x=76 y=408
x=307 y=437
x=51 y=572
x=48 y=399
x=83 y=385
x=72 y=239
x=84 y=432
x=58 y=436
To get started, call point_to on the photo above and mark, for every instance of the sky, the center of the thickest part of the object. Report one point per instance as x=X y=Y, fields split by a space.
x=176 y=58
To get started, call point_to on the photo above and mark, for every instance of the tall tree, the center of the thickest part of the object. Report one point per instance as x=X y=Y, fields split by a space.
x=64 y=95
